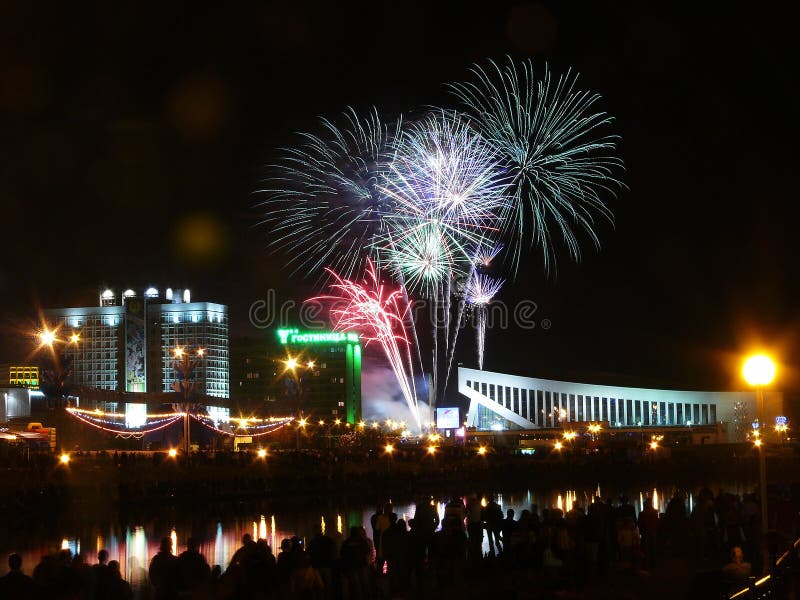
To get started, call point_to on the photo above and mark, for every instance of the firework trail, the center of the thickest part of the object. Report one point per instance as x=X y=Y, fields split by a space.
x=480 y=291
x=482 y=257
x=323 y=206
x=380 y=316
x=550 y=136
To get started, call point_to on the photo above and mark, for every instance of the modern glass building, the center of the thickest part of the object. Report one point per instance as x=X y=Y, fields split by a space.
x=127 y=344
x=499 y=402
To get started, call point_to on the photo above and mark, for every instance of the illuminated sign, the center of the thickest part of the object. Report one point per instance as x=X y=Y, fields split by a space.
x=780 y=420
x=447 y=418
x=295 y=336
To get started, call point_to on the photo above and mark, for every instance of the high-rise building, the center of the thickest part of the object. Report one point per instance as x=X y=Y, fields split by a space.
x=128 y=343
x=324 y=379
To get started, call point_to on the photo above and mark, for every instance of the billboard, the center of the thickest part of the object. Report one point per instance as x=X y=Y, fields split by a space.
x=447 y=418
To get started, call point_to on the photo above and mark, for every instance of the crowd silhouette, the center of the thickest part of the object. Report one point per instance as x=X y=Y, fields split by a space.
x=474 y=548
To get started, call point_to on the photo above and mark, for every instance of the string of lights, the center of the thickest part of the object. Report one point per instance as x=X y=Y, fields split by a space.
x=124 y=431
x=274 y=426
x=101 y=413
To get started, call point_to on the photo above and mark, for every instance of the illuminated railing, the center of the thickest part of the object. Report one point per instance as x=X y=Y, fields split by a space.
x=771 y=585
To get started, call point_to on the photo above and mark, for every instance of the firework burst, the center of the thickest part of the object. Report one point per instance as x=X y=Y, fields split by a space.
x=380 y=315
x=448 y=191
x=323 y=205
x=479 y=292
x=551 y=138
x=446 y=186
x=485 y=254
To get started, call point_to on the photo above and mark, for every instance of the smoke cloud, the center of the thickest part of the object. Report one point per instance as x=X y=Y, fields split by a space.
x=382 y=398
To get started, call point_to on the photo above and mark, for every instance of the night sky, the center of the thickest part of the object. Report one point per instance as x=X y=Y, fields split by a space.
x=133 y=135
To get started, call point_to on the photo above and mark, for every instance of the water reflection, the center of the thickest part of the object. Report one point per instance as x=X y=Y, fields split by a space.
x=134 y=545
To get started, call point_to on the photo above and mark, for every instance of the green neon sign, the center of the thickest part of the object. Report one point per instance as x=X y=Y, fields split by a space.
x=295 y=336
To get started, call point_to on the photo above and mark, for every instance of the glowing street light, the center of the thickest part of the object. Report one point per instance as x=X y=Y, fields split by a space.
x=74 y=338
x=558 y=445
x=262 y=453
x=758 y=371
x=654 y=445
x=47 y=337
x=337 y=421
x=172 y=453
x=303 y=422
x=310 y=364
x=201 y=352
x=482 y=450
x=431 y=450
x=64 y=458
x=178 y=352
x=389 y=448
x=321 y=423
x=291 y=364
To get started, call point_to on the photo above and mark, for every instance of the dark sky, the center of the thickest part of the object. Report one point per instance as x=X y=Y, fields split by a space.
x=134 y=133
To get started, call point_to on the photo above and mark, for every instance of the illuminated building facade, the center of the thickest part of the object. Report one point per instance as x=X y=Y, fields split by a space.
x=128 y=344
x=330 y=388
x=26 y=376
x=498 y=401
x=15 y=403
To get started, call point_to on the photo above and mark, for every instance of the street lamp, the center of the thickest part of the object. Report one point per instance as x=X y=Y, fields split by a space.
x=185 y=364
x=47 y=337
x=293 y=366
x=57 y=376
x=758 y=371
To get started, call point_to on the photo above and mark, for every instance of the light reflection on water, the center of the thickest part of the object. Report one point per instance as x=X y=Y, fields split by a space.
x=135 y=545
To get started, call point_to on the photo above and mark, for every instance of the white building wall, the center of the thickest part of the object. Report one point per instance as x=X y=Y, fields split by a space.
x=616 y=405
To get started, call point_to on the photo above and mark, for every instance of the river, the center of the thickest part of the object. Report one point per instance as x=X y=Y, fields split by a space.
x=133 y=543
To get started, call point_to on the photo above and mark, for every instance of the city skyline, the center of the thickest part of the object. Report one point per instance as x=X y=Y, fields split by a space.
x=696 y=272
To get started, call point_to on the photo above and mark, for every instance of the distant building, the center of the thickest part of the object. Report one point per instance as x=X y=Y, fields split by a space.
x=15 y=403
x=253 y=373
x=328 y=372
x=14 y=375
x=501 y=402
x=127 y=343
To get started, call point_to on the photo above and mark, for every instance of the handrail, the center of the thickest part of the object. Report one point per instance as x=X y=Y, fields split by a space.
x=784 y=558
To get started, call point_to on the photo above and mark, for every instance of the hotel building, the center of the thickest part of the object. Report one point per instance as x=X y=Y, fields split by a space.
x=328 y=372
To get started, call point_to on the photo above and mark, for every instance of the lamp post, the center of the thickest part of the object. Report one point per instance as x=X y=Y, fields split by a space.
x=293 y=366
x=49 y=338
x=185 y=364
x=758 y=371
